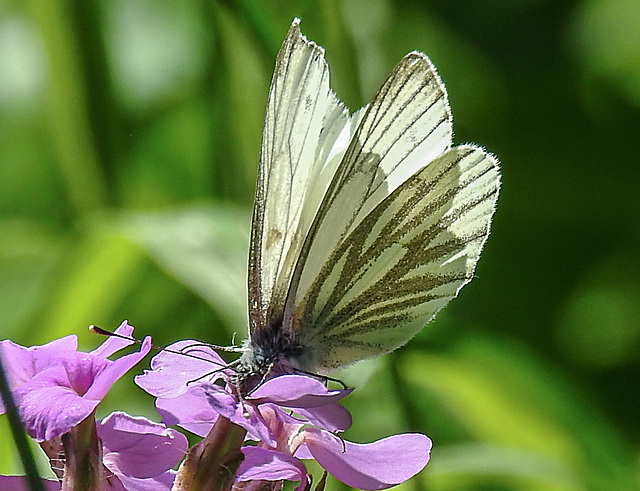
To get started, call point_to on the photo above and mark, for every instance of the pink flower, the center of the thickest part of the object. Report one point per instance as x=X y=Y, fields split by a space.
x=139 y=453
x=292 y=417
x=55 y=386
x=57 y=390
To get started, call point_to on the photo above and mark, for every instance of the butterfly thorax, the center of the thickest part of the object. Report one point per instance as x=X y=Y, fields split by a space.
x=269 y=352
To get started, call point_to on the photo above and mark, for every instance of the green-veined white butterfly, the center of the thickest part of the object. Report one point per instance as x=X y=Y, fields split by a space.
x=364 y=225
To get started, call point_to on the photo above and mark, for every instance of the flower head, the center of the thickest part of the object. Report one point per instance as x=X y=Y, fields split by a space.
x=291 y=417
x=128 y=443
x=55 y=386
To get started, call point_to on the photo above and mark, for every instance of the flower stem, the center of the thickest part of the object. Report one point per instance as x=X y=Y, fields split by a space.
x=212 y=464
x=82 y=450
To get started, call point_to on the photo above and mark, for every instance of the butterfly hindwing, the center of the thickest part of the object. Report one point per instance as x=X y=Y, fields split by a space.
x=402 y=263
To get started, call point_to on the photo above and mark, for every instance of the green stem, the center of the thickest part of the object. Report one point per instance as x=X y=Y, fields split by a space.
x=212 y=464
x=83 y=453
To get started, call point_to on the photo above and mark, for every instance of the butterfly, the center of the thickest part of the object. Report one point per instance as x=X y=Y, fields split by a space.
x=365 y=225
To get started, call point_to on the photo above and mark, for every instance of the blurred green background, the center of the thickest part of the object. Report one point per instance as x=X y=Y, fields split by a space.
x=129 y=140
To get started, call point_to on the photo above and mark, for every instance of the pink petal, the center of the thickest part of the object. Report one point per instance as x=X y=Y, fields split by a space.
x=190 y=411
x=377 y=465
x=178 y=367
x=262 y=464
x=113 y=344
x=332 y=418
x=110 y=375
x=19 y=483
x=49 y=407
x=82 y=370
x=308 y=397
x=20 y=363
x=296 y=391
x=244 y=415
x=130 y=441
x=163 y=482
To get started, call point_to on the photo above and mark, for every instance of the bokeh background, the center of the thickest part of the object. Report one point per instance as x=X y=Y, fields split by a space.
x=129 y=141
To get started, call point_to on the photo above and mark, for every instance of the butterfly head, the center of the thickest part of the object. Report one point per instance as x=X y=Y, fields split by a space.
x=269 y=352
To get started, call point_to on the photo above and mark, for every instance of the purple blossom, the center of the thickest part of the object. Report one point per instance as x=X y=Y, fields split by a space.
x=55 y=386
x=138 y=455
x=376 y=465
x=180 y=366
x=175 y=379
x=291 y=417
x=263 y=464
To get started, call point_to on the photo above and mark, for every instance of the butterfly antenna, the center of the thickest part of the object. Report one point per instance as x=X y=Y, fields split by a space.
x=103 y=332
x=226 y=349
x=228 y=365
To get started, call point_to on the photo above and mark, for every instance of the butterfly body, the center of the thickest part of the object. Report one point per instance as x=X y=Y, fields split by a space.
x=364 y=225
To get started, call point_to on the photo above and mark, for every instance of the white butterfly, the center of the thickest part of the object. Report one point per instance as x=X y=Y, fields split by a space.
x=364 y=226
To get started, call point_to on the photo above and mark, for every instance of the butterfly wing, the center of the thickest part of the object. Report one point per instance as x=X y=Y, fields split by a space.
x=400 y=228
x=306 y=131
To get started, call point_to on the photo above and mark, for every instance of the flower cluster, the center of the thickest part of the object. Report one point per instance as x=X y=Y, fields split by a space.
x=255 y=441
x=57 y=390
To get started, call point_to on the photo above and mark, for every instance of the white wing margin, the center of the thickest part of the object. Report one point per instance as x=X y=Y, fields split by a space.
x=306 y=131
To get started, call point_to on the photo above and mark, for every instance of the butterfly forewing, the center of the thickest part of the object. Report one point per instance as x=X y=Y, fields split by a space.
x=402 y=263
x=306 y=131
